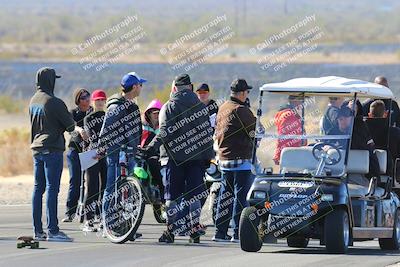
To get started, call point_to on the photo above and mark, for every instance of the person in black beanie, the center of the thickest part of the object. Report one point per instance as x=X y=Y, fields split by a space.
x=183 y=117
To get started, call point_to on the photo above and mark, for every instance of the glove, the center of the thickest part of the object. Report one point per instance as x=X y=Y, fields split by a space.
x=145 y=153
x=206 y=163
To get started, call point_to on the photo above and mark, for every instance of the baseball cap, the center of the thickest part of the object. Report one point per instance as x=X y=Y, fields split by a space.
x=345 y=112
x=99 y=95
x=131 y=79
x=203 y=87
x=182 y=79
x=239 y=85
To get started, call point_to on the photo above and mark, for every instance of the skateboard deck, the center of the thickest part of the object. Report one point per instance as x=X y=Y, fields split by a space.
x=27 y=241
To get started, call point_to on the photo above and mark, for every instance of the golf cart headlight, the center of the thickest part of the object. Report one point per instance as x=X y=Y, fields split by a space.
x=326 y=197
x=259 y=194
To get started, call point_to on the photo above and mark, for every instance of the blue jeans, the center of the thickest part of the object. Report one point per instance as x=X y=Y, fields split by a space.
x=232 y=198
x=74 y=166
x=113 y=171
x=47 y=171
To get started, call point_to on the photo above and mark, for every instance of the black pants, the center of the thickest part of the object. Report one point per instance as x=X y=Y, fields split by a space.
x=96 y=177
x=155 y=170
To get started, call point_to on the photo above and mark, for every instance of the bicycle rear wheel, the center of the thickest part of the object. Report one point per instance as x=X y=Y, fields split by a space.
x=125 y=209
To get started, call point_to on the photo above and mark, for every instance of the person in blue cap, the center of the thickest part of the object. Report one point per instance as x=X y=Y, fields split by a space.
x=122 y=126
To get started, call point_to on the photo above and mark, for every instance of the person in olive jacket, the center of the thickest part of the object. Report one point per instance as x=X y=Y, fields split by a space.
x=234 y=133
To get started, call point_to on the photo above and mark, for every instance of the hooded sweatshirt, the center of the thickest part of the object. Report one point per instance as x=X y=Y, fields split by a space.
x=49 y=115
x=149 y=130
x=122 y=125
x=185 y=130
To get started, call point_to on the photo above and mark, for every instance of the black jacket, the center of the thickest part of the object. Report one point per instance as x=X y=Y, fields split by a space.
x=49 y=115
x=185 y=130
x=76 y=142
x=395 y=113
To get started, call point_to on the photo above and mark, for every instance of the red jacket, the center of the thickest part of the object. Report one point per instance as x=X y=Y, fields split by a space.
x=287 y=122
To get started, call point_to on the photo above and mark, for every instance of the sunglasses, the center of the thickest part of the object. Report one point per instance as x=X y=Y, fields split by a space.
x=202 y=92
x=84 y=97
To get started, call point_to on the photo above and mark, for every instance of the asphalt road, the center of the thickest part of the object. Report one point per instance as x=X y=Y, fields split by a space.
x=93 y=250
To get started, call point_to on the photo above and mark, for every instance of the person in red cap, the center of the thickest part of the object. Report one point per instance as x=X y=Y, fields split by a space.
x=97 y=174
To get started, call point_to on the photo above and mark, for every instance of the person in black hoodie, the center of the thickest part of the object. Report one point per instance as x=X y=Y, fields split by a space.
x=96 y=175
x=76 y=143
x=49 y=118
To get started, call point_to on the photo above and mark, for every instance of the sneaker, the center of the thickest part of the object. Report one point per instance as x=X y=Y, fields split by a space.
x=89 y=227
x=235 y=239
x=194 y=238
x=67 y=219
x=40 y=236
x=135 y=236
x=166 y=237
x=59 y=237
x=226 y=238
x=104 y=233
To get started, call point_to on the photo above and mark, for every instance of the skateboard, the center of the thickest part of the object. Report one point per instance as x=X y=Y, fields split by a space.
x=27 y=241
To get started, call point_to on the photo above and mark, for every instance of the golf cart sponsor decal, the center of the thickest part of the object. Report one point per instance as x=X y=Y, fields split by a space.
x=295 y=184
x=292 y=196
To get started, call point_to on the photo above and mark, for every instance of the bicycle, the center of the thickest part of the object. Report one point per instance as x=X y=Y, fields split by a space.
x=125 y=206
x=127 y=203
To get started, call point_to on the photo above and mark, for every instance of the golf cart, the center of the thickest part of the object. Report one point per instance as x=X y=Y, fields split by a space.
x=309 y=183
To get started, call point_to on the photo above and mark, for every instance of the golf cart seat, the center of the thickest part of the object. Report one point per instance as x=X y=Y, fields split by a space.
x=300 y=159
x=382 y=158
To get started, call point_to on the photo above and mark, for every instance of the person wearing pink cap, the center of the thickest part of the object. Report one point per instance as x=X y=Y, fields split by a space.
x=150 y=126
x=97 y=174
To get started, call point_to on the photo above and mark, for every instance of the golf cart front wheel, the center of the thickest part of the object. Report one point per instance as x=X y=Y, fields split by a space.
x=249 y=236
x=337 y=231
x=394 y=242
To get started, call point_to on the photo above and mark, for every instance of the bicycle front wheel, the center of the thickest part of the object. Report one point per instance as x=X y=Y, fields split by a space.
x=124 y=212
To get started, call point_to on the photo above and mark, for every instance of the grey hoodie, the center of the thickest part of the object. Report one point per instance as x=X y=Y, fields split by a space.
x=185 y=130
x=49 y=115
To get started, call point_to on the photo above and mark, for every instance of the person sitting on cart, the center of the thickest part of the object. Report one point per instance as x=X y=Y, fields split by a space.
x=150 y=126
x=288 y=121
x=395 y=110
x=330 y=119
x=360 y=139
x=385 y=137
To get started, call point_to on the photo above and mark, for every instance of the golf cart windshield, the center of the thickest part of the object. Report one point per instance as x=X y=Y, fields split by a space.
x=303 y=133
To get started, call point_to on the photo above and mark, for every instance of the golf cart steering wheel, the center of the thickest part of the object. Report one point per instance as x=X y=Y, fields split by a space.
x=329 y=152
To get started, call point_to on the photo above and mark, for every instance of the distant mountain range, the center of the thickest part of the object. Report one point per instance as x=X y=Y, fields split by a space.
x=72 y=21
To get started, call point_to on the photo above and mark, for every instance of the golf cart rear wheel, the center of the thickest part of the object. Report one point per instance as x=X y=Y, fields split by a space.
x=250 y=239
x=297 y=241
x=337 y=231
x=394 y=242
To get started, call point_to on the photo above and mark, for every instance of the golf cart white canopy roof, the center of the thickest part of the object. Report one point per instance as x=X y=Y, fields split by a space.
x=330 y=85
